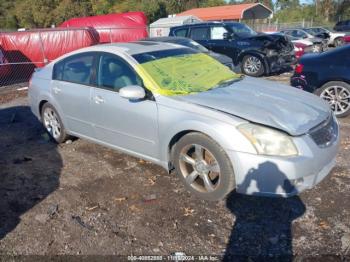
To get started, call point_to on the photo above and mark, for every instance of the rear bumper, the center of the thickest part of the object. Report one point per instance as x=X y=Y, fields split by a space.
x=301 y=82
x=283 y=176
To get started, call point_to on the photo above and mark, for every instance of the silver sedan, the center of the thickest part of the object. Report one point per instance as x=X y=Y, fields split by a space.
x=185 y=111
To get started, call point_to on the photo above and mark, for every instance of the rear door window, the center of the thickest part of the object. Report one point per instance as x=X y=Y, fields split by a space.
x=217 y=32
x=200 y=33
x=181 y=32
x=75 y=69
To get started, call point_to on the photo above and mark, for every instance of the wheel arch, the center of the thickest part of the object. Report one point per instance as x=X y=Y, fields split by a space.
x=41 y=104
x=225 y=135
x=174 y=140
x=326 y=81
x=48 y=99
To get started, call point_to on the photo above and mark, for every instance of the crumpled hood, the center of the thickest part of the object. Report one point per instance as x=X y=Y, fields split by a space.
x=272 y=41
x=265 y=102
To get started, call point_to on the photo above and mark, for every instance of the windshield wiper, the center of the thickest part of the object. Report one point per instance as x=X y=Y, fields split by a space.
x=225 y=83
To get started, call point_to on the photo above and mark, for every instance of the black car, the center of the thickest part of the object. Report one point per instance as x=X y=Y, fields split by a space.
x=257 y=54
x=342 y=26
x=326 y=75
x=223 y=59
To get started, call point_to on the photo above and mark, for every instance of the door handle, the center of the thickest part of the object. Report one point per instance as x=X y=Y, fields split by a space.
x=56 y=90
x=99 y=100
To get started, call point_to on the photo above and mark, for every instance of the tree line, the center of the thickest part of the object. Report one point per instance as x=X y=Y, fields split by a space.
x=44 y=13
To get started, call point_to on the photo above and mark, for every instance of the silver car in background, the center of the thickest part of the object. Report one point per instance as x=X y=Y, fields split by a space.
x=183 y=110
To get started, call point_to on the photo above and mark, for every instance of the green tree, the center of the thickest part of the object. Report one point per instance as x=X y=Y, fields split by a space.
x=67 y=9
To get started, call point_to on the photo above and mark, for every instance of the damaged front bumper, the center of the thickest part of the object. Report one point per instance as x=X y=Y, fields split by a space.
x=285 y=176
x=280 y=62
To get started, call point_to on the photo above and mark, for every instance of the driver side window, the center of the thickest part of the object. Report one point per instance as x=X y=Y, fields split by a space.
x=114 y=73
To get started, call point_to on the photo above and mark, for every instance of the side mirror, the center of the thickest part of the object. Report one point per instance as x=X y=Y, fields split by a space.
x=227 y=36
x=132 y=92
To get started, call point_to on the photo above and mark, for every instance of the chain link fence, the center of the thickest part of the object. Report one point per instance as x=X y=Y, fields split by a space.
x=276 y=26
x=23 y=51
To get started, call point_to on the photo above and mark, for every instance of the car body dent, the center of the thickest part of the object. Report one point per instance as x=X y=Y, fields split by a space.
x=270 y=106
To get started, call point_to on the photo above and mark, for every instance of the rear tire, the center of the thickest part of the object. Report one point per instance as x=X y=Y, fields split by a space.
x=203 y=166
x=337 y=95
x=53 y=123
x=253 y=65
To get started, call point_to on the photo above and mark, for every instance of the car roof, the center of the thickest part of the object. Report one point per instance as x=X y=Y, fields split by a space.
x=167 y=39
x=206 y=23
x=290 y=29
x=131 y=48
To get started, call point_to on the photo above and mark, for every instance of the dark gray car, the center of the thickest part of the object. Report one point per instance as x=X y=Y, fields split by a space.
x=223 y=59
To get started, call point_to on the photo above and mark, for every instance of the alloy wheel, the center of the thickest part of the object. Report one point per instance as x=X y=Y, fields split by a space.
x=200 y=168
x=338 y=97
x=52 y=123
x=252 y=65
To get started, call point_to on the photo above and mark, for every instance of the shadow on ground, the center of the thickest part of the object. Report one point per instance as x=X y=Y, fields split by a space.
x=263 y=225
x=29 y=165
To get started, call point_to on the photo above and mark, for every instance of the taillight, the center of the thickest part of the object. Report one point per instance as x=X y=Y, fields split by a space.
x=299 y=68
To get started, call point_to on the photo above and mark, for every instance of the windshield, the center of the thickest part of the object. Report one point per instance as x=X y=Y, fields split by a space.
x=181 y=71
x=309 y=30
x=194 y=45
x=242 y=30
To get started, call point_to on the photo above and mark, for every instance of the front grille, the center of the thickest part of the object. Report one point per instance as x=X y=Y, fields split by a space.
x=326 y=133
x=285 y=45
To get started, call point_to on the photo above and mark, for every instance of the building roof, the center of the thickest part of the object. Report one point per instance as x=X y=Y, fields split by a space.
x=176 y=20
x=230 y=12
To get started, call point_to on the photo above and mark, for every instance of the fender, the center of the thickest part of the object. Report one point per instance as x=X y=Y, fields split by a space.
x=335 y=79
x=222 y=133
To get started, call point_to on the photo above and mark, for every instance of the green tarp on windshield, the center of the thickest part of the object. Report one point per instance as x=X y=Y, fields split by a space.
x=186 y=74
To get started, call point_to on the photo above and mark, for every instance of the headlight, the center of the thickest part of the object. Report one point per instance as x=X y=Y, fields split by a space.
x=268 y=141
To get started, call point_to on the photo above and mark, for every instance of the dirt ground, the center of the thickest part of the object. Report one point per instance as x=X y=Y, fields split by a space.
x=82 y=198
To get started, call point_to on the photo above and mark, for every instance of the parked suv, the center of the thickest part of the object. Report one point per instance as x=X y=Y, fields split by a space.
x=256 y=54
x=342 y=26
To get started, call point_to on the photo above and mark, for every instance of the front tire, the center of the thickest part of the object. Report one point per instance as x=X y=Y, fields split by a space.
x=203 y=167
x=337 y=95
x=53 y=123
x=253 y=65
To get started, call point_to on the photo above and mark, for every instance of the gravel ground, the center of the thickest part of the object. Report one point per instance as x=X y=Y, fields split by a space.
x=82 y=198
